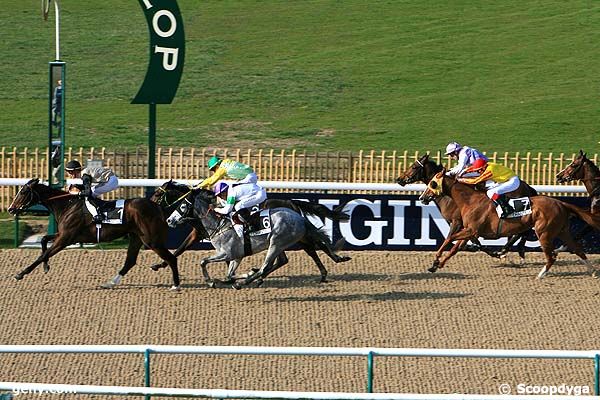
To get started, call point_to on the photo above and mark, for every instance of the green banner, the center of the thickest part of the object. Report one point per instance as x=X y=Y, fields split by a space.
x=167 y=52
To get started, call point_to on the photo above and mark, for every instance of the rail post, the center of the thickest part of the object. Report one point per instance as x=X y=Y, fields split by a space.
x=147 y=370
x=597 y=375
x=370 y=372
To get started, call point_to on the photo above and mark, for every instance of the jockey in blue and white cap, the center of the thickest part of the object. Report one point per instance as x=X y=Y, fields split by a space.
x=466 y=157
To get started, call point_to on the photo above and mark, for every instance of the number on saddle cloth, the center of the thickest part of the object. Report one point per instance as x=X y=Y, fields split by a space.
x=112 y=210
x=522 y=206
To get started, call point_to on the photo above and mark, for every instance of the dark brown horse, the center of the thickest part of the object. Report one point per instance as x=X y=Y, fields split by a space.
x=143 y=222
x=583 y=169
x=549 y=218
x=424 y=169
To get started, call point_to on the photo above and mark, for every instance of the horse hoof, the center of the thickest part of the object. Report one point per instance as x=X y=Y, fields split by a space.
x=212 y=284
x=155 y=267
x=175 y=289
x=323 y=280
x=345 y=258
x=432 y=269
x=259 y=282
x=542 y=273
x=107 y=285
x=596 y=274
x=18 y=277
x=236 y=286
x=46 y=269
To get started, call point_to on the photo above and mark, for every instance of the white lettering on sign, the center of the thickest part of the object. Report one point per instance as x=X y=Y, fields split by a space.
x=376 y=231
x=147 y=4
x=430 y=211
x=172 y=21
x=169 y=57
x=398 y=224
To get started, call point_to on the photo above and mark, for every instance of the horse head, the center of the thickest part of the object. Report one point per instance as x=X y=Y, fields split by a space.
x=434 y=188
x=423 y=169
x=25 y=198
x=169 y=193
x=574 y=170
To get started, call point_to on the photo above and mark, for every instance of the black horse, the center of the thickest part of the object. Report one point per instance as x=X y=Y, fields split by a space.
x=143 y=221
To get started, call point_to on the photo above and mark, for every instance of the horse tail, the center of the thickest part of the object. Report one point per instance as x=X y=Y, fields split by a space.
x=308 y=208
x=318 y=237
x=589 y=218
x=319 y=210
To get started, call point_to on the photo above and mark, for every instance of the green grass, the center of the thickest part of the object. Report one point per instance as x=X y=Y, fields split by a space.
x=317 y=75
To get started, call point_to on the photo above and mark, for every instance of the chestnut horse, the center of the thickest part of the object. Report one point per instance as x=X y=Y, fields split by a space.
x=143 y=222
x=583 y=169
x=549 y=218
x=424 y=169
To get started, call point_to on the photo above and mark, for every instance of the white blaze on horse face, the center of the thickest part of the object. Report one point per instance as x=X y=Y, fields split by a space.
x=177 y=215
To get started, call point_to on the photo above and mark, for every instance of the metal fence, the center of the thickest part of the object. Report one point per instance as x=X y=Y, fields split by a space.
x=368 y=353
x=274 y=165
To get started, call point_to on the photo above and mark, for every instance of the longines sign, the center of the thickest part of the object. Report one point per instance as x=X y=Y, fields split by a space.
x=167 y=52
x=394 y=222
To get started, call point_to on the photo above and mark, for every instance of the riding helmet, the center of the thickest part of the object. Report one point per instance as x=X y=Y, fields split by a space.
x=452 y=147
x=73 y=165
x=220 y=187
x=213 y=162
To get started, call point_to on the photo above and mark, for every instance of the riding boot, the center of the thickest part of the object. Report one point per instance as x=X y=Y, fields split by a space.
x=506 y=208
x=243 y=216
x=99 y=217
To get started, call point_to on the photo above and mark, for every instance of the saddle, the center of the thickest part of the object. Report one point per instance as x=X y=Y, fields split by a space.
x=112 y=209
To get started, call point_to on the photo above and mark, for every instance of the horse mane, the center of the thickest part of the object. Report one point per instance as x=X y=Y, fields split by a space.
x=593 y=166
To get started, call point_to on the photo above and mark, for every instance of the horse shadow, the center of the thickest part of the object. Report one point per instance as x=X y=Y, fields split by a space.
x=425 y=276
x=387 y=296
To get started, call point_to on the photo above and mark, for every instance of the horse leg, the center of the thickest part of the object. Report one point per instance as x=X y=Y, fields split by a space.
x=191 y=238
x=272 y=254
x=133 y=249
x=57 y=246
x=44 y=243
x=578 y=236
x=216 y=258
x=457 y=246
x=166 y=255
x=461 y=237
x=548 y=248
x=576 y=248
x=313 y=254
x=280 y=261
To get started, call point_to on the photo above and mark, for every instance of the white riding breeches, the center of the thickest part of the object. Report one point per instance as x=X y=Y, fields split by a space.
x=501 y=188
x=105 y=187
x=250 y=194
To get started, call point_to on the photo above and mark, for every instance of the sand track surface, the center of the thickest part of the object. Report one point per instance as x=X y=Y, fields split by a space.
x=379 y=299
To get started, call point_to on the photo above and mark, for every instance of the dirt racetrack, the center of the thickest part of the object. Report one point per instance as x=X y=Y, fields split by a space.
x=379 y=299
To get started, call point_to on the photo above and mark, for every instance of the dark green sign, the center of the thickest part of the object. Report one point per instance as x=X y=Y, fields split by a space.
x=167 y=52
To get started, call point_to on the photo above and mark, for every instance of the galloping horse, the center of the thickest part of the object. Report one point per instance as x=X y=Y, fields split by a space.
x=583 y=169
x=424 y=169
x=143 y=221
x=549 y=218
x=170 y=195
x=287 y=228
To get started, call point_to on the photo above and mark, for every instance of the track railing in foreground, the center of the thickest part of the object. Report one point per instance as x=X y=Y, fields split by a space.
x=369 y=353
x=320 y=186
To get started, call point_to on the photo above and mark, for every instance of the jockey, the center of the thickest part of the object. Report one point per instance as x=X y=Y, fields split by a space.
x=466 y=157
x=103 y=180
x=228 y=169
x=498 y=181
x=239 y=198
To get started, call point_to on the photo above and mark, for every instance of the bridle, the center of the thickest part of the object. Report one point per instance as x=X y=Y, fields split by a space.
x=34 y=198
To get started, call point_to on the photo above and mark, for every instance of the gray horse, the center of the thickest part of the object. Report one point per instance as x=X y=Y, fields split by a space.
x=287 y=228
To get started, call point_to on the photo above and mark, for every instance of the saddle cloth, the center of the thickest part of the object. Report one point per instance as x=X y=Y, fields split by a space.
x=522 y=206
x=112 y=210
x=259 y=222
